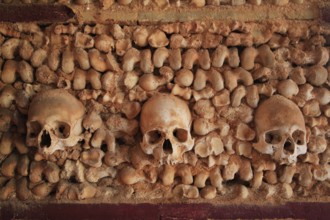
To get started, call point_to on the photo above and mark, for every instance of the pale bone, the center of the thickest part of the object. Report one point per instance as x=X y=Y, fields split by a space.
x=82 y=77
x=92 y=157
x=73 y=169
x=238 y=94
x=319 y=56
x=286 y=191
x=184 y=93
x=311 y=158
x=9 y=165
x=184 y=77
x=117 y=31
x=103 y=136
x=122 y=46
x=130 y=176
x=177 y=41
x=209 y=145
x=239 y=39
x=146 y=64
x=158 y=39
x=9 y=71
x=118 y=124
x=185 y=173
x=36 y=170
x=81 y=56
x=222 y=54
x=204 y=109
x=206 y=93
x=317 y=144
x=284 y=135
x=25 y=71
x=25 y=50
x=288 y=88
x=233 y=77
x=305 y=175
x=131 y=109
x=287 y=174
x=140 y=36
x=65 y=29
x=131 y=78
x=222 y=98
x=51 y=172
x=317 y=122
x=252 y=96
x=48 y=128
x=9 y=47
x=42 y=189
x=104 y=43
x=198 y=3
x=97 y=29
x=38 y=57
x=92 y=121
x=97 y=60
x=321 y=173
x=67 y=61
x=208 y=192
x=121 y=155
x=45 y=75
x=312 y=108
x=262 y=55
x=150 y=82
x=186 y=191
x=270 y=177
x=243 y=148
x=105 y=4
x=244 y=132
x=267 y=89
x=53 y=59
x=93 y=174
x=84 y=41
x=172 y=125
x=212 y=76
x=23 y=165
x=131 y=57
x=316 y=75
x=322 y=95
x=257 y=179
x=203 y=126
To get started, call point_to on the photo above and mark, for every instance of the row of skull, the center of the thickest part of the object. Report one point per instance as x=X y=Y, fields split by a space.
x=55 y=122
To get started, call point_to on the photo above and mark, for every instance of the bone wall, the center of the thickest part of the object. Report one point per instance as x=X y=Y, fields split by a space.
x=75 y=124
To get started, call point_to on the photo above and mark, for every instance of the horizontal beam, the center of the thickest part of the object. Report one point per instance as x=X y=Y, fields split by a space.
x=60 y=13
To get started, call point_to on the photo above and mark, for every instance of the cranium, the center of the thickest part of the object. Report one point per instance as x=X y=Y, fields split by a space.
x=281 y=130
x=165 y=125
x=54 y=121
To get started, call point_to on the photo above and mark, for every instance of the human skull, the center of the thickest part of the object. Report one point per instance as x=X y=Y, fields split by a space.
x=54 y=121
x=165 y=125
x=281 y=130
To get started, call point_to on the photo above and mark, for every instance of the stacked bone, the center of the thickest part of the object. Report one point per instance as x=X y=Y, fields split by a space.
x=218 y=75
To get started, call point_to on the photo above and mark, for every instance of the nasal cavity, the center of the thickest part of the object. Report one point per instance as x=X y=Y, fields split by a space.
x=289 y=146
x=167 y=147
x=45 y=139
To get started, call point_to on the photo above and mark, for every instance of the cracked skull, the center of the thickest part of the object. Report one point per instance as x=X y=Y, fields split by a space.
x=165 y=125
x=281 y=130
x=54 y=121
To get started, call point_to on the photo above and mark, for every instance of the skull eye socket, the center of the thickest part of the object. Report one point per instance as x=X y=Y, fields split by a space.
x=35 y=129
x=180 y=134
x=273 y=137
x=62 y=130
x=298 y=137
x=154 y=137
